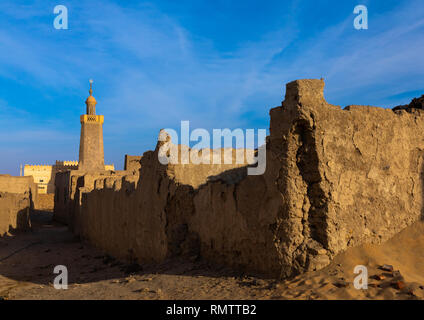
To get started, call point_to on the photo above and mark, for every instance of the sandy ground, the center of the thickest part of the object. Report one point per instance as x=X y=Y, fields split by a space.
x=27 y=262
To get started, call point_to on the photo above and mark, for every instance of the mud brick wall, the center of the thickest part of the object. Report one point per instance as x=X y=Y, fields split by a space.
x=17 y=198
x=335 y=178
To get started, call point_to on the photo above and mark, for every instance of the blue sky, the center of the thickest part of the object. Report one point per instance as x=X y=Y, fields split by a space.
x=219 y=64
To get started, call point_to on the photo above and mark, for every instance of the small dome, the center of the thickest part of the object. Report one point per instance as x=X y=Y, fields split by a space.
x=91 y=100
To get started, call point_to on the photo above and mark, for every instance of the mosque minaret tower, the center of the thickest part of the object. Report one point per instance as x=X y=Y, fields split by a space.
x=91 y=152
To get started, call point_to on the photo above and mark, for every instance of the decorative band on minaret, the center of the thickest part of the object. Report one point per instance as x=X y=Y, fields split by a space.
x=91 y=108
x=91 y=155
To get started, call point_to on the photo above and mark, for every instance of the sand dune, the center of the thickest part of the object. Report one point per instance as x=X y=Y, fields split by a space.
x=405 y=252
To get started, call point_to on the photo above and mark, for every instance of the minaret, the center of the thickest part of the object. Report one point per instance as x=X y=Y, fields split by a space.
x=91 y=153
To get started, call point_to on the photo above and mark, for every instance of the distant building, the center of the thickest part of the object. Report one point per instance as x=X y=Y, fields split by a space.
x=44 y=175
x=91 y=153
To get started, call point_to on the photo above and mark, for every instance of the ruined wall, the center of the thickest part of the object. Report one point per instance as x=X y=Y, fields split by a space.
x=146 y=201
x=132 y=163
x=67 y=186
x=45 y=202
x=14 y=184
x=352 y=176
x=17 y=197
x=334 y=178
x=14 y=212
x=44 y=175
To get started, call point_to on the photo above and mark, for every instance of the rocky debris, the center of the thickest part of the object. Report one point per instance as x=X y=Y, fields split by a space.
x=146 y=279
x=416 y=103
x=394 y=279
x=129 y=279
x=399 y=285
x=396 y=273
x=317 y=256
x=379 y=277
x=412 y=289
x=341 y=283
x=317 y=262
x=386 y=267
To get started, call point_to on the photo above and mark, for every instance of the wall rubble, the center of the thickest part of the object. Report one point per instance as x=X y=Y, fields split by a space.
x=17 y=198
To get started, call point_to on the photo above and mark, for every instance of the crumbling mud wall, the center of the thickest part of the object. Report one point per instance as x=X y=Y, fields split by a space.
x=153 y=205
x=67 y=186
x=17 y=196
x=14 y=212
x=348 y=176
x=132 y=164
x=334 y=179
x=12 y=184
x=45 y=202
